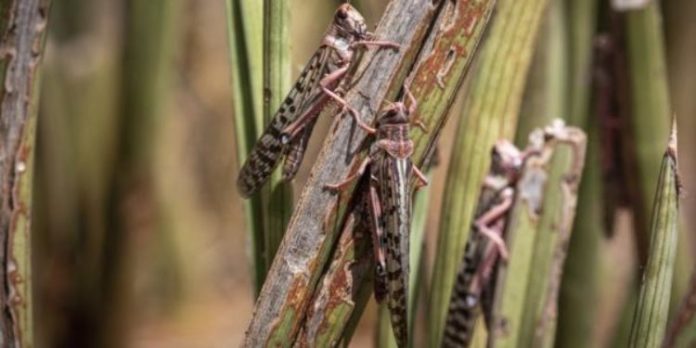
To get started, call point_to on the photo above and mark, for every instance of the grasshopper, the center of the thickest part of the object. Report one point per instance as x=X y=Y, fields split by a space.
x=288 y=132
x=485 y=244
x=389 y=199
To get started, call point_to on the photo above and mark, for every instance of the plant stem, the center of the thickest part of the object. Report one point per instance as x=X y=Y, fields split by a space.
x=577 y=301
x=276 y=196
x=545 y=91
x=649 y=125
x=525 y=307
x=244 y=30
x=650 y=105
x=23 y=32
x=345 y=288
x=554 y=230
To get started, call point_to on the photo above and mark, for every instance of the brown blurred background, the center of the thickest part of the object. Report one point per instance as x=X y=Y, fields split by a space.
x=136 y=207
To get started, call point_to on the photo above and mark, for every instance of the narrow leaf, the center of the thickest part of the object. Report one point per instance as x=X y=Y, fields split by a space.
x=579 y=288
x=276 y=196
x=650 y=319
x=244 y=31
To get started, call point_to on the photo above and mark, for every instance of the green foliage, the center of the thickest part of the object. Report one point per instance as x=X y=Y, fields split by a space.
x=245 y=30
x=651 y=312
x=490 y=113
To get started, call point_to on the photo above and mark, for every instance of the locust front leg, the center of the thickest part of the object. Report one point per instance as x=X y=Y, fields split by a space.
x=413 y=105
x=294 y=128
x=329 y=80
x=422 y=179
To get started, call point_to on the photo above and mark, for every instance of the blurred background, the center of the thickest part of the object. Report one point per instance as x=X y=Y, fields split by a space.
x=139 y=236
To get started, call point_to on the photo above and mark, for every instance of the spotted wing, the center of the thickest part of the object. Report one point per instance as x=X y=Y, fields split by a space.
x=295 y=150
x=265 y=155
x=463 y=307
x=394 y=176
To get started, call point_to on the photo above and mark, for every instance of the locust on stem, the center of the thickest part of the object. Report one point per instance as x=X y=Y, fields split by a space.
x=288 y=132
x=486 y=244
x=389 y=195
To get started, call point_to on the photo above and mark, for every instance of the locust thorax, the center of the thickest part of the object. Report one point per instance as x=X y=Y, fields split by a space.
x=507 y=160
x=350 y=24
x=392 y=131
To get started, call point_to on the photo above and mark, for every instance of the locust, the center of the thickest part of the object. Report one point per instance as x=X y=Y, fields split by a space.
x=389 y=198
x=485 y=244
x=288 y=133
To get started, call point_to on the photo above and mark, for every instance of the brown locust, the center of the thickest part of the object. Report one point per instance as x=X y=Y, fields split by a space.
x=288 y=132
x=485 y=244
x=390 y=198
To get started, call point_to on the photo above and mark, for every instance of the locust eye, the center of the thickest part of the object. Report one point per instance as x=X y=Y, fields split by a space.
x=341 y=14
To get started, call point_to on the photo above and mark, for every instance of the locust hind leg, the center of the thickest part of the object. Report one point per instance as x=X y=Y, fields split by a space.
x=498 y=211
x=358 y=173
x=345 y=106
x=332 y=79
x=293 y=129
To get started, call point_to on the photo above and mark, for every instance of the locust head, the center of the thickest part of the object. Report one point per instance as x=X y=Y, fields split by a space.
x=349 y=22
x=507 y=160
x=394 y=114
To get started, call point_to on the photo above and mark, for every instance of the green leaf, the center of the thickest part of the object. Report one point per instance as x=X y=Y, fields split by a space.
x=651 y=312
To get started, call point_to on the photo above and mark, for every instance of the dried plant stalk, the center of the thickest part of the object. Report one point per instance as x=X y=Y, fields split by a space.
x=23 y=28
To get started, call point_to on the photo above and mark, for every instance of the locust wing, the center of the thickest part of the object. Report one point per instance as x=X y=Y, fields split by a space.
x=394 y=179
x=265 y=155
x=295 y=150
